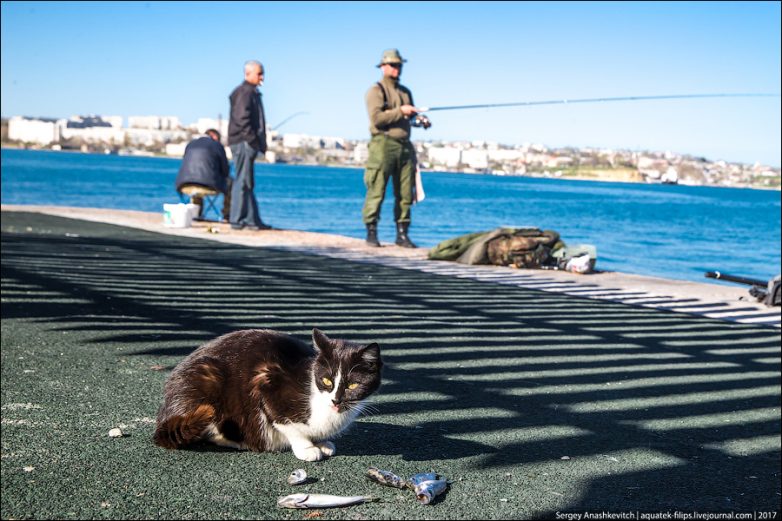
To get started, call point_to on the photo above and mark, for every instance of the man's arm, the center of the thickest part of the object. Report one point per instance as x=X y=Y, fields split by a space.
x=377 y=116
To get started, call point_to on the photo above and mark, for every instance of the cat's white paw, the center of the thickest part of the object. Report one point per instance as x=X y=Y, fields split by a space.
x=327 y=448
x=308 y=453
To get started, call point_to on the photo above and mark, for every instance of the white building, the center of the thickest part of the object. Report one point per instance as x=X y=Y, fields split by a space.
x=557 y=161
x=114 y=121
x=33 y=130
x=317 y=142
x=92 y=129
x=361 y=152
x=296 y=140
x=178 y=149
x=221 y=125
x=332 y=143
x=93 y=134
x=151 y=137
x=154 y=122
x=502 y=155
x=175 y=149
x=476 y=158
x=445 y=156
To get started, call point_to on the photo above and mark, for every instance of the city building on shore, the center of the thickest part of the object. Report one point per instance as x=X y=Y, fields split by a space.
x=165 y=135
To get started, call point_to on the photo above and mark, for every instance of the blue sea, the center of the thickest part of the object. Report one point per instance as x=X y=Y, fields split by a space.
x=671 y=231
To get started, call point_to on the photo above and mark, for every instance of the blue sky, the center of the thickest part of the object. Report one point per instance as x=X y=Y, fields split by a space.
x=183 y=59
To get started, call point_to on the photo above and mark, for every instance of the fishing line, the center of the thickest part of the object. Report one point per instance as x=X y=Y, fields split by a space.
x=284 y=121
x=595 y=100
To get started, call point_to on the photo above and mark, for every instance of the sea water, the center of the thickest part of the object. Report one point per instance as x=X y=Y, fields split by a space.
x=671 y=231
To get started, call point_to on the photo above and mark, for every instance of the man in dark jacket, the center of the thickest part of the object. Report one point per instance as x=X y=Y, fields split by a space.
x=205 y=165
x=247 y=138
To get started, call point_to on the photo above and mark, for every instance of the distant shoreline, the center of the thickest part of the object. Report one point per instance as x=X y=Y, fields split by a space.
x=428 y=171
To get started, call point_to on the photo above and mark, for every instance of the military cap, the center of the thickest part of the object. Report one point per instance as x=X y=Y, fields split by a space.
x=391 y=56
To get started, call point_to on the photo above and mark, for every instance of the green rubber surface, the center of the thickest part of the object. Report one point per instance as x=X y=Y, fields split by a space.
x=532 y=404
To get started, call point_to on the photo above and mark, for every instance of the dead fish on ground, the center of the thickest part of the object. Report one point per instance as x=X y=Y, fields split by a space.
x=425 y=485
x=423 y=476
x=297 y=477
x=426 y=491
x=385 y=477
x=321 y=501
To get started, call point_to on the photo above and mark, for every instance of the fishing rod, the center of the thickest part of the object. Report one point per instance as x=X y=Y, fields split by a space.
x=733 y=278
x=284 y=121
x=594 y=100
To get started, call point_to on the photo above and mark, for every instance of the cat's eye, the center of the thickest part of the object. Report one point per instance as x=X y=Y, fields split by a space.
x=352 y=386
x=327 y=382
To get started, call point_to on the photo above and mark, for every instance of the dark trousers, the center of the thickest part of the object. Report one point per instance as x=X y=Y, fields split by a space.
x=244 y=206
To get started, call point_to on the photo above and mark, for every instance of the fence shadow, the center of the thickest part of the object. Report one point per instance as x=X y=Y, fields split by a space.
x=650 y=408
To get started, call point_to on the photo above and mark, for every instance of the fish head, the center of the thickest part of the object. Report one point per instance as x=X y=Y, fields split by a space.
x=293 y=501
x=426 y=491
x=297 y=477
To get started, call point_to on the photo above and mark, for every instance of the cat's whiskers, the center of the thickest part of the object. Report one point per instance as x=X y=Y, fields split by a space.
x=368 y=409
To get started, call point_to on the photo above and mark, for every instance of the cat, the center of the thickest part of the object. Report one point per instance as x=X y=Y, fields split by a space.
x=262 y=390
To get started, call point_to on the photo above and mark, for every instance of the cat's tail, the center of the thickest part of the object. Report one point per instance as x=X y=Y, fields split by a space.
x=178 y=431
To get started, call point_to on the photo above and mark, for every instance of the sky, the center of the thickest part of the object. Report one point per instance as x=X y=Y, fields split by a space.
x=183 y=59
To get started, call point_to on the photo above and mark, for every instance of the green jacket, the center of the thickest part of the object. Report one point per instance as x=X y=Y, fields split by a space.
x=518 y=247
x=389 y=121
x=467 y=249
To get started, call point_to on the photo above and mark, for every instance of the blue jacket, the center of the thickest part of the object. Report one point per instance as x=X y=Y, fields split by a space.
x=204 y=164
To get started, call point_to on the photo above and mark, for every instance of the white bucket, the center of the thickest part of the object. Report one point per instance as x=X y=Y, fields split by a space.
x=194 y=209
x=176 y=216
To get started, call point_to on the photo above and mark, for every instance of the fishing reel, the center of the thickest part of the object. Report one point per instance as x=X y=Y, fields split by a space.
x=419 y=120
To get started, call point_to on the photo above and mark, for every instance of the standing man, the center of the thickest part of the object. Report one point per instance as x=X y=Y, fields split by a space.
x=391 y=154
x=247 y=138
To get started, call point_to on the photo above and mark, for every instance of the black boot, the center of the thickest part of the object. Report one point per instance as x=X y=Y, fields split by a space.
x=372 y=235
x=401 y=236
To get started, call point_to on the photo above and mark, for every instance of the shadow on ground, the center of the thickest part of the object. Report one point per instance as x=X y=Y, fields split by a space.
x=589 y=404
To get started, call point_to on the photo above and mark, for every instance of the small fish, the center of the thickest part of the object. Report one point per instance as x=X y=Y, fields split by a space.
x=426 y=491
x=424 y=476
x=385 y=477
x=297 y=477
x=321 y=501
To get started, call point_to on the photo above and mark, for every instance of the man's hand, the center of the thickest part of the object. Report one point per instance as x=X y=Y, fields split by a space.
x=408 y=110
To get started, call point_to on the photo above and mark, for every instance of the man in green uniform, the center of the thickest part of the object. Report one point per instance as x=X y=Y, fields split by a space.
x=391 y=154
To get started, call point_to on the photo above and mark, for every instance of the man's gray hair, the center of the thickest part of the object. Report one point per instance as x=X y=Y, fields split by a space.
x=252 y=63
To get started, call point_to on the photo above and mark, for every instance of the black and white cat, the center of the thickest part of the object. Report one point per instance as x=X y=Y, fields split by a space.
x=262 y=390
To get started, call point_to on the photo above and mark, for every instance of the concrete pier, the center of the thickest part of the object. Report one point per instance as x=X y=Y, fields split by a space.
x=538 y=395
x=730 y=302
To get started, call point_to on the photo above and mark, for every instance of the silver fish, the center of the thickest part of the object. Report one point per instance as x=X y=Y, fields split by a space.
x=426 y=491
x=385 y=477
x=321 y=501
x=297 y=477
x=423 y=476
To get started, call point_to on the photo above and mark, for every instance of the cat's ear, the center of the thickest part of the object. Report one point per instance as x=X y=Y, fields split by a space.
x=320 y=340
x=371 y=355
